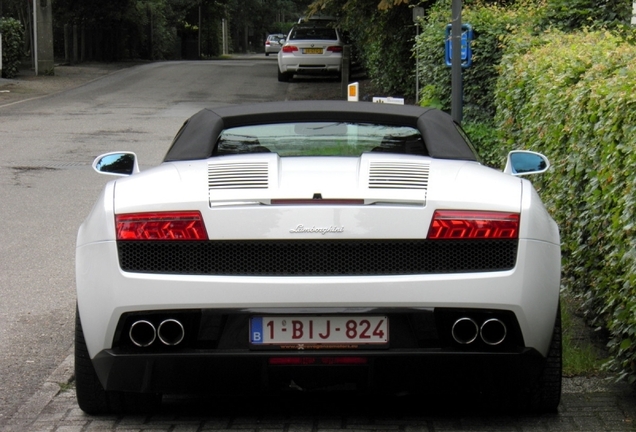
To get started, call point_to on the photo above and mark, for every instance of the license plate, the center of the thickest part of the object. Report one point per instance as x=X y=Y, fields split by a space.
x=318 y=330
x=312 y=50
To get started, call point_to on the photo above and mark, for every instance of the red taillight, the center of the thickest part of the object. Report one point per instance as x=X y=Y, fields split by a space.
x=458 y=224
x=299 y=361
x=335 y=49
x=289 y=48
x=185 y=225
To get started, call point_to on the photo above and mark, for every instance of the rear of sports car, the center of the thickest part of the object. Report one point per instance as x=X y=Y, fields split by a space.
x=384 y=272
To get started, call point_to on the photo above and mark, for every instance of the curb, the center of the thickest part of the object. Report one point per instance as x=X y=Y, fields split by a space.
x=32 y=409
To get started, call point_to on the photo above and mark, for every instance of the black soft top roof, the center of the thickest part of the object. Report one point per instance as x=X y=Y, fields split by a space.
x=199 y=134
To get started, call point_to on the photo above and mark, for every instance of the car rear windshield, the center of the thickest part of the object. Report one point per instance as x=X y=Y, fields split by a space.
x=320 y=139
x=313 y=33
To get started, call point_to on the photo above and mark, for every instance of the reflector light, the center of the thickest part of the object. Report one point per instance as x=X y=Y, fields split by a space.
x=186 y=225
x=289 y=48
x=300 y=361
x=459 y=224
x=292 y=361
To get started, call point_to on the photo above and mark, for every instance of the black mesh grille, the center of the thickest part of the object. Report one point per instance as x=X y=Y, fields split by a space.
x=317 y=258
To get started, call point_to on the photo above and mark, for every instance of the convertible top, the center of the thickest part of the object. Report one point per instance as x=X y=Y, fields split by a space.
x=199 y=134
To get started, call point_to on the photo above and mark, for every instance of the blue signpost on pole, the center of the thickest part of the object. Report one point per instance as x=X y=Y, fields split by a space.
x=467 y=54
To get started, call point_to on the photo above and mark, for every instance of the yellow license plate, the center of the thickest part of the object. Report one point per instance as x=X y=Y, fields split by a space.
x=312 y=51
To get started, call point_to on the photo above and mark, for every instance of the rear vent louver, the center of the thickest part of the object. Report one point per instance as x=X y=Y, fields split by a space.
x=398 y=175
x=238 y=176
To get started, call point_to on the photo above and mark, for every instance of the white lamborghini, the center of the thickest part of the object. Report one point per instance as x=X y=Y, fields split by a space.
x=313 y=244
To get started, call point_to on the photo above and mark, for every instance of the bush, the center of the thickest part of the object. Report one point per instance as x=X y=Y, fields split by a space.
x=12 y=43
x=493 y=26
x=569 y=15
x=570 y=96
x=383 y=40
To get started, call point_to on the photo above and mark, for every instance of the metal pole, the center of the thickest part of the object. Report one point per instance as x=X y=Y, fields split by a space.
x=417 y=65
x=0 y=40
x=456 y=62
x=35 y=37
x=224 y=31
x=417 y=13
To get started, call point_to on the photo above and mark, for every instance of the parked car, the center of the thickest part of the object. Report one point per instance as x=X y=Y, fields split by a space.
x=310 y=48
x=312 y=245
x=273 y=43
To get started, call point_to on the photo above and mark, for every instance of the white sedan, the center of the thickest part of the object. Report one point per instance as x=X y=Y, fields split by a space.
x=313 y=245
x=310 y=48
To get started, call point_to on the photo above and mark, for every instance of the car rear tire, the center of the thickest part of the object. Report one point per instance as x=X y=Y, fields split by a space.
x=91 y=396
x=284 y=76
x=545 y=396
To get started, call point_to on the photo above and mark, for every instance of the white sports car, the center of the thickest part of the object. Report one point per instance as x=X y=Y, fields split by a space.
x=316 y=244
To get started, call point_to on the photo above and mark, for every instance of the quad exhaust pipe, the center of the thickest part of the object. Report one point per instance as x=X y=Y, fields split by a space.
x=466 y=331
x=493 y=331
x=143 y=333
x=171 y=332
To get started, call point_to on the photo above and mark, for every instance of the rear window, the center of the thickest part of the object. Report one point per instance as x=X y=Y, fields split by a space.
x=320 y=139
x=313 y=33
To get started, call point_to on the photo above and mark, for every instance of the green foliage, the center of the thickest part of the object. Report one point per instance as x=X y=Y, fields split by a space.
x=571 y=15
x=581 y=355
x=493 y=26
x=385 y=50
x=12 y=43
x=571 y=97
x=382 y=35
x=483 y=136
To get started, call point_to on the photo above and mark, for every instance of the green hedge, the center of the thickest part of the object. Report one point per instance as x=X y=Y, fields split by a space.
x=571 y=97
x=493 y=26
x=12 y=43
x=578 y=14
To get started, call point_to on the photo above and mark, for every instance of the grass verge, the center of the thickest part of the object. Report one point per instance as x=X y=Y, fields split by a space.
x=584 y=349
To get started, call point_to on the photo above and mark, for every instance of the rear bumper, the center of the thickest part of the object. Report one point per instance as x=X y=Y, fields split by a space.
x=187 y=373
x=311 y=65
x=105 y=293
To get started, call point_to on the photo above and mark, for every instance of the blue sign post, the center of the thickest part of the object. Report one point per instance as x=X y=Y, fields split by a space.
x=467 y=54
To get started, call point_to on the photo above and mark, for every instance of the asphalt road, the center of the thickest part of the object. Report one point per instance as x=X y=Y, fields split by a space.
x=46 y=189
x=47 y=185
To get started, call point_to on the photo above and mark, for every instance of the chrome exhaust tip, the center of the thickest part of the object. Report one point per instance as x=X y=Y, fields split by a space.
x=171 y=332
x=142 y=333
x=493 y=331
x=465 y=331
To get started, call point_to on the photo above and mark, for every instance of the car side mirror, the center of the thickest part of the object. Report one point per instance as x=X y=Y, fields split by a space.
x=523 y=162
x=116 y=163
